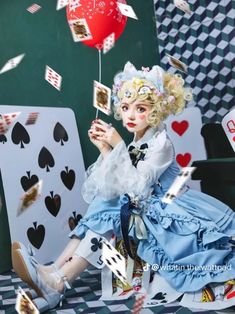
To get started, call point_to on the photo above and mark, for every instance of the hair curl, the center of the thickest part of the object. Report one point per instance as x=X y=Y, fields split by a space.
x=162 y=105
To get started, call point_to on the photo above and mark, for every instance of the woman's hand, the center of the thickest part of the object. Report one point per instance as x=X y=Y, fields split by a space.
x=103 y=147
x=105 y=132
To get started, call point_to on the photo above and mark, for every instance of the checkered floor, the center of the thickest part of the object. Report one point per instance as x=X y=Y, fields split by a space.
x=84 y=298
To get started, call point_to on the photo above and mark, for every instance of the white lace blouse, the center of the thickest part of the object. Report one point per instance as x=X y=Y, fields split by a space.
x=115 y=175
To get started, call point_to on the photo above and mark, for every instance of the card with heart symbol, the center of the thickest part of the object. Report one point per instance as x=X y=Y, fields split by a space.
x=48 y=150
x=185 y=132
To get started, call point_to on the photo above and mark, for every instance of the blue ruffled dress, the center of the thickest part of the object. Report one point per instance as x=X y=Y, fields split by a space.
x=189 y=239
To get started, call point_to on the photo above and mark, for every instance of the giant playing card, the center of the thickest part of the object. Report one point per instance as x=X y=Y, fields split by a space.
x=185 y=132
x=47 y=150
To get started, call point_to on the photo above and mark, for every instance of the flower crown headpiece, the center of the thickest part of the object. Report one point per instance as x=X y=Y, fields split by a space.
x=153 y=76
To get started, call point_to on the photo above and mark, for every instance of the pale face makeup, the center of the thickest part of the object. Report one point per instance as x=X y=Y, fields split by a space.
x=134 y=117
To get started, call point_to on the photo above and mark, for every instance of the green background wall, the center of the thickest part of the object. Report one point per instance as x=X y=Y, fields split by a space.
x=45 y=38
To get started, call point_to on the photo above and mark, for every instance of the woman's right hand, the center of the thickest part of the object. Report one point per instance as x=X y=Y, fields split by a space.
x=103 y=147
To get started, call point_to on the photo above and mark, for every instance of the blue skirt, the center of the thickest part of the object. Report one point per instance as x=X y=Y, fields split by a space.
x=189 y=241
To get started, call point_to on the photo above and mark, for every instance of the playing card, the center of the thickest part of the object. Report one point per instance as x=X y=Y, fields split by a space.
x=61 y=4
x=183 y=5
x=53 y=78
x=24 y=304
x=114 y=260
x=80 y=30
x=73 y=4
x=102 y=98
x=176 y=63
x=6 y=121
x=228 y=124
x=34 y=8
x=90 y=248
x=211 y=297
x=48 y=150
x=29 y=197
x=32 y=118
x=178 y=184
x=108 y=43
x=184 y=131
x=12 y=63
x=127 y=10
x=160 y=292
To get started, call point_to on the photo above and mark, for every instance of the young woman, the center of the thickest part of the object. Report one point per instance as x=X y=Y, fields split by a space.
x=191 y=237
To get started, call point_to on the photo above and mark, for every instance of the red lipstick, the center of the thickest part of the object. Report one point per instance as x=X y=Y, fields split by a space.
x=131 y=125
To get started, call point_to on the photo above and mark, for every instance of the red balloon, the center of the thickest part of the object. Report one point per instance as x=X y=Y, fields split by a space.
x=102 y=17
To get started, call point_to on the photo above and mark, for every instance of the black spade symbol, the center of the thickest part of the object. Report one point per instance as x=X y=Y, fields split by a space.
x=60 y=134
x=19 y=135
x=36 y=235
x=73 y=221
x=3 y=138
x=160 y=296
x=68 y=178
x=45 y=159
x=53 y=203
x=29 y=181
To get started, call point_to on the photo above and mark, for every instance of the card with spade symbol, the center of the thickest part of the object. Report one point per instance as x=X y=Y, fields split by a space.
x=48 y=150
x=160 y=292
x=184 y=131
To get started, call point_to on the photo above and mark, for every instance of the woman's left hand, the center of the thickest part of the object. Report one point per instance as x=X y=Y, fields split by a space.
x=106 y=132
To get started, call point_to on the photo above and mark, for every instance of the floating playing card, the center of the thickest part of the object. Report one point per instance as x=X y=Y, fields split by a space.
x=30 y=197
x=178 y=184
x=73 y=4
x=80 y=30
x=61 y=4
x=228 y=124
x=108 y=43
x=6 y=121
x=183 y=5
x=12 y=63
x=53 y=78
x=127 y=10
x=23 y=303
x=32 y=118
x=176 y=63
x=102 y=98
x=114 y=260
x=34 y=8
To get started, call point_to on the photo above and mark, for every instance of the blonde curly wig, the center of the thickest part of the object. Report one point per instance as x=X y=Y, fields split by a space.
x=172 y=101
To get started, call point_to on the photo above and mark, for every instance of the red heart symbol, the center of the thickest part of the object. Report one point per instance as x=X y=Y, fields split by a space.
x=234 y=138
x=230 y=295
x=180 y=127
x=183 y=160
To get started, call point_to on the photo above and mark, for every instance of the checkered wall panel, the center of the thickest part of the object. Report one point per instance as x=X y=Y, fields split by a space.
x=205 y=41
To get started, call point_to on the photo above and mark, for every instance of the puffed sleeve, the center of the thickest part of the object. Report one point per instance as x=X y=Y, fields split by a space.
x=115 y=175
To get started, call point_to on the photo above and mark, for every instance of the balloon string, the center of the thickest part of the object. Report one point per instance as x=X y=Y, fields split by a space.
x=100 y=72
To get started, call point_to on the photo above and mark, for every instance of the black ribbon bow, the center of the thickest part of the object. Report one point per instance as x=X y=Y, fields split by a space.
x=137 y=154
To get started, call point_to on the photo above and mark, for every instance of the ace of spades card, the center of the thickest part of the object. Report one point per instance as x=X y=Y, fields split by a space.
x=184 y=131
x=48 y=150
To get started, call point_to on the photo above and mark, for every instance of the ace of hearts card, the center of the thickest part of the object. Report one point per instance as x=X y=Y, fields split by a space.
x=47 y=151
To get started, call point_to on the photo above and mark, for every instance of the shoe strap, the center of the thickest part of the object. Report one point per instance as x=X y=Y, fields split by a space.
x=62 y=276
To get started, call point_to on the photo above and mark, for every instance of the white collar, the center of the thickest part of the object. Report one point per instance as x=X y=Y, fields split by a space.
x=148 y=135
